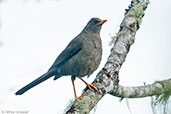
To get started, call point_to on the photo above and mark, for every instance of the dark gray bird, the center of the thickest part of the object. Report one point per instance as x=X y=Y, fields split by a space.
x=80 y=58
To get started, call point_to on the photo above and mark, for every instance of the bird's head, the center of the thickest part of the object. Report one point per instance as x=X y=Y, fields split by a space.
x=94 y=25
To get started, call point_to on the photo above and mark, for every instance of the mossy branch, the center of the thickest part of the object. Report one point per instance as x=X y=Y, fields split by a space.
x=157 y=88
x=107 y=78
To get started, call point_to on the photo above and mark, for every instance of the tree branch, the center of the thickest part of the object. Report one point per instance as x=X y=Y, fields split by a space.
x=107 y=78
x=156 y=88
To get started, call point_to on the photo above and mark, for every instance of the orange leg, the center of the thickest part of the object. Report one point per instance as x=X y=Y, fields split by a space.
x=79 y=98
x=90 y=86
x=74 y=89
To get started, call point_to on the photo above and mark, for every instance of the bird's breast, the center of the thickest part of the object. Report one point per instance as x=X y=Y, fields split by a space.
x=90 y=57
x=86 y=61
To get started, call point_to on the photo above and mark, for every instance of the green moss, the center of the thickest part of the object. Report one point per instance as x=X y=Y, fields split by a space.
x=136 y=9
x=135 y=3
x=113 y=39
x=162 y=102
x=84 y=104
x=138 y=12
x=167 y=91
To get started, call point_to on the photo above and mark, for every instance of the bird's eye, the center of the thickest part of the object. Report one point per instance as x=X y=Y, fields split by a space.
x=92 y=22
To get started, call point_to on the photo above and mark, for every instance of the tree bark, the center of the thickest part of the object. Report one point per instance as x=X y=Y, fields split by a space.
x=107 y=78
x=157 y=88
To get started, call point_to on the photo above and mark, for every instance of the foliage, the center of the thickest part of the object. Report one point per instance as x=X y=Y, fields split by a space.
x=161 y=103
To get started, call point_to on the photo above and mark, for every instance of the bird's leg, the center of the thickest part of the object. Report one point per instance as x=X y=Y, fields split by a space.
x=79 y=98
x=90 y=86
x=74 y=89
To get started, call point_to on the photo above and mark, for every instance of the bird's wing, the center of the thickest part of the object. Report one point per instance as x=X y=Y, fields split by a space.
x=72 y=49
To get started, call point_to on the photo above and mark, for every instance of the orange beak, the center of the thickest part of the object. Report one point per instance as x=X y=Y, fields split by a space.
x=102 y=22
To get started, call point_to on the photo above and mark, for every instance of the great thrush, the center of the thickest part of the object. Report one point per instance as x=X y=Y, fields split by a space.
x=80 y=58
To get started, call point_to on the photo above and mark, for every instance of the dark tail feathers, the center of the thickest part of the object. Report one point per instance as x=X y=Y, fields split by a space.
x=35 y=82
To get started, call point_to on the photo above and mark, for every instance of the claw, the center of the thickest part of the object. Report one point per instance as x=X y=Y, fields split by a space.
x=90 y=86
x=80 y=97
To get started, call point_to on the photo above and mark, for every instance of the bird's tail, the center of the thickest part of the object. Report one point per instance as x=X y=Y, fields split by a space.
x=35 y=82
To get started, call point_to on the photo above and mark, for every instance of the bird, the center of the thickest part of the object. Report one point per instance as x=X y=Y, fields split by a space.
x=80 y=58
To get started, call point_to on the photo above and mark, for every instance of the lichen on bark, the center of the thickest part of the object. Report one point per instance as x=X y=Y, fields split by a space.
x=108 y=77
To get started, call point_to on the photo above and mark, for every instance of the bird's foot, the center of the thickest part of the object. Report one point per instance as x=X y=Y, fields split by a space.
x=80 y=97
x=90 y=86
